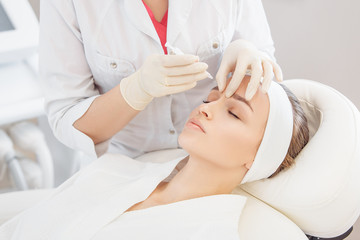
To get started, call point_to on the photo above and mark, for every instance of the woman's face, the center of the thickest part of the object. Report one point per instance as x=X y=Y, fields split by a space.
x=226 y=131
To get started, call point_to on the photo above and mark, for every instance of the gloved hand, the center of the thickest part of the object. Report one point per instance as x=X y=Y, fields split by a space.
x=239 y=57
x=162 y=75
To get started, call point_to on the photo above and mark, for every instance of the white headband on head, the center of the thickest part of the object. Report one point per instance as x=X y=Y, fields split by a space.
x=277 y=136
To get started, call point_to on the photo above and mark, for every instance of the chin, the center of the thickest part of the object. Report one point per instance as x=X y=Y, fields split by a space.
x=189 y=143
x=183 y=141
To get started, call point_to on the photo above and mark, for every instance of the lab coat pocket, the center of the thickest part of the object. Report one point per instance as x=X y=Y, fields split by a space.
x=110 y=70
x=211 y=47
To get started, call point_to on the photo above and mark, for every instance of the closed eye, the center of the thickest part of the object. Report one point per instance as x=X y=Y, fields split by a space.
x=231 y=113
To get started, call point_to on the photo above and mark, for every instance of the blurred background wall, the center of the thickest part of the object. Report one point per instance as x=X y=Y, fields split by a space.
x=36 y=6
x=318 y=40
x=315 y=39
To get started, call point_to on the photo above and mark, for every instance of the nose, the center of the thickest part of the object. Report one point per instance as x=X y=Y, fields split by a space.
x=205 y=110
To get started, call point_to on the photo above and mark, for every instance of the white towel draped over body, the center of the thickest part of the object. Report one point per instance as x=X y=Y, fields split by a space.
x=91 y=205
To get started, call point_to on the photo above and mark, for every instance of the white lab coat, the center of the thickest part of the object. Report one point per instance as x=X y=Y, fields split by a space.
x=91 y=204
x=88 y=46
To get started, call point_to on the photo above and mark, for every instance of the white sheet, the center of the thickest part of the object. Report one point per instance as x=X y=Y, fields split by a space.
x=90 y=205
x=214 y=217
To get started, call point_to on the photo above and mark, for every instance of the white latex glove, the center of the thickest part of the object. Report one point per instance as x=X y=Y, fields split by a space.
x=162 y=75
x=239 y=57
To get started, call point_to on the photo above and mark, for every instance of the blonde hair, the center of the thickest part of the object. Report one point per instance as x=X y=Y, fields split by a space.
x=300 y=136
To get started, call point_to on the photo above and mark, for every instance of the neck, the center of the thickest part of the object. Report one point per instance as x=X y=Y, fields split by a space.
x=199 y=178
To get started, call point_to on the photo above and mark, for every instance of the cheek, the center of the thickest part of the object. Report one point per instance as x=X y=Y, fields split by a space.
x=236 y=144
x=231 y=142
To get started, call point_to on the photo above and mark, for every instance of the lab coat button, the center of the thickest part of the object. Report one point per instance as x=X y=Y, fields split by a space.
x=172 y=132
x=215 y=45
x=113 y=65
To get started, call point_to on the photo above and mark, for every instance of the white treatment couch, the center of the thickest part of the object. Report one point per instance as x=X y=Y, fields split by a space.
x=318 y=197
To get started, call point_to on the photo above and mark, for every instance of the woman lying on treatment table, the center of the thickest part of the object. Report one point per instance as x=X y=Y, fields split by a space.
x=229 y=141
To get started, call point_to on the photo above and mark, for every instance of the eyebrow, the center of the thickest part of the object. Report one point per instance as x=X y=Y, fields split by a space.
x=237 y=97
x=240 y=98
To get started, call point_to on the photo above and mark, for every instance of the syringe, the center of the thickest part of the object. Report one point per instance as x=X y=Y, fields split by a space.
x=177 y=51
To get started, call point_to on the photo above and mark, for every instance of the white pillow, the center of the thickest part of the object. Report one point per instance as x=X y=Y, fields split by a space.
x=321 y=193
x=259 y=221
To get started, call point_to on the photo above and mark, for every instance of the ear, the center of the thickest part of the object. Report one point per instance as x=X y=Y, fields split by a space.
x=249 y=164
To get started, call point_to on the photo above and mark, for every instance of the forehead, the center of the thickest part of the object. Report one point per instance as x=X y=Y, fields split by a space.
x=260 y=101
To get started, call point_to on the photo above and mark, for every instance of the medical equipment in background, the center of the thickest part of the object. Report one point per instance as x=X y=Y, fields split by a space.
x=18 y=30
x=21 y=98
x=8 y=158
x=29 y=137
x=24 y=173
x=20 y=94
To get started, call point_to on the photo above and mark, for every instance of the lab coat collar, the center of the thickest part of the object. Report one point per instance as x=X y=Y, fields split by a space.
x=178 y=14
x=138 y=16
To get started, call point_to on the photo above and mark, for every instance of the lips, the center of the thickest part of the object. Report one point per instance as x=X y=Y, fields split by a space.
x=196 y=122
